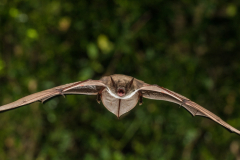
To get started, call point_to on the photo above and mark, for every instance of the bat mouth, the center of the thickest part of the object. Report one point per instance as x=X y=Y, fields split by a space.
x=121 y=92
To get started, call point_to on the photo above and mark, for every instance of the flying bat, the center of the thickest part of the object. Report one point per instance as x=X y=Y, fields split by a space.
x=119 y=94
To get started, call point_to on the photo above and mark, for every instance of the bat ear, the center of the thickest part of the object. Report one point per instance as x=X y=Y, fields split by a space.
x=130 y=83
x=114 y=85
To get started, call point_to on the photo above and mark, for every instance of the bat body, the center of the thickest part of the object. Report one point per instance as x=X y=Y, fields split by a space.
x=119 y=94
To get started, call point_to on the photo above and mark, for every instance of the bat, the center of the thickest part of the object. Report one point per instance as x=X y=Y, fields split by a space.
x=119 y=94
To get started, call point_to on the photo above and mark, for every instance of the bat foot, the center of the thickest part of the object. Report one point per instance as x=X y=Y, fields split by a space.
x=98 y=101
x=99 y=98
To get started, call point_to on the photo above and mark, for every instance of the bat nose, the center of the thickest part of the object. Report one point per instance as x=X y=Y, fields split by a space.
x=121 y=92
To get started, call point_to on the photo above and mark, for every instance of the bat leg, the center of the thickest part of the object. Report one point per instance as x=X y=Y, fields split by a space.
x=99 y=96
x=140 y=98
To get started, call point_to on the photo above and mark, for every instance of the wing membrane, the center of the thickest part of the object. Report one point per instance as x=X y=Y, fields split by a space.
x=160 y=93
x=89 y=87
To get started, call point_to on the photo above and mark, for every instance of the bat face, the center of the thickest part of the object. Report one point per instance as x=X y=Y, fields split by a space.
x=120 y=86
x=120 y=94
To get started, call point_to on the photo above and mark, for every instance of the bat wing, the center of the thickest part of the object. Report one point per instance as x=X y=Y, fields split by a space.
x=160 y=93
x=88 y=87
x=118 y=106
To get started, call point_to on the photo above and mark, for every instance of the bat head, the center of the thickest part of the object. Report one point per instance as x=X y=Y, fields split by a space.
x=121 y=87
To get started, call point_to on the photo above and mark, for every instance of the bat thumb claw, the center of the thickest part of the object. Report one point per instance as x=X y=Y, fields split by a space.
x=61 y=92
x=41 y=101
x=63 y=95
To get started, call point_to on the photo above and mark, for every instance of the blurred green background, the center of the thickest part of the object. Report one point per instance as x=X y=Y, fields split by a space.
x=189 y=47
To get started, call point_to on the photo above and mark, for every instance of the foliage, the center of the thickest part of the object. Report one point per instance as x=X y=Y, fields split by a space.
x=189 y=47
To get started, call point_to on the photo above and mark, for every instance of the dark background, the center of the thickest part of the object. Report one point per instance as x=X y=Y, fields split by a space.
x=189 y=47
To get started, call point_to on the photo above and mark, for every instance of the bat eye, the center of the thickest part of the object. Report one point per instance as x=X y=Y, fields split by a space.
x=121 y=92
